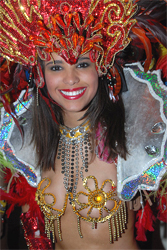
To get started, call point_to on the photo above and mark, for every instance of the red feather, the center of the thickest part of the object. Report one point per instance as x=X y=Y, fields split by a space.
x=145 y=222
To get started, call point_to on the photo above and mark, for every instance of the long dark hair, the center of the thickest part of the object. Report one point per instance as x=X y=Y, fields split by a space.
x=45 y=131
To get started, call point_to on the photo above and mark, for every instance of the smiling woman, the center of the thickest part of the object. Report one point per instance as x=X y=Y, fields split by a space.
x=71 y=86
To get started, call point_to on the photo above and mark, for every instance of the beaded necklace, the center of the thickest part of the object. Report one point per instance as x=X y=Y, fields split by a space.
x=74 y=144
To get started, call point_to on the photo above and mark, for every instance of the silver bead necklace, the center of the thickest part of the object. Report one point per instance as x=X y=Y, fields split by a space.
x=74 y=145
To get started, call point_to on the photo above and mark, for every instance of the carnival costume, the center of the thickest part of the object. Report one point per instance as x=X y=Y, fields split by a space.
x=30 y=32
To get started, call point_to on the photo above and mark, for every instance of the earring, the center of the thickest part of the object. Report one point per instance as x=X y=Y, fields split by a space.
x=111 y=81
x=29 y=85
x=37 y=96
x=114 y=83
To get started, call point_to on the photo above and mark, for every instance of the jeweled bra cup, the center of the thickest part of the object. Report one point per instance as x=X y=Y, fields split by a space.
x=97 y=198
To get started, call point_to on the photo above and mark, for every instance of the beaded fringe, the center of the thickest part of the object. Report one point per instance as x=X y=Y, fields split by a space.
x=117 y=223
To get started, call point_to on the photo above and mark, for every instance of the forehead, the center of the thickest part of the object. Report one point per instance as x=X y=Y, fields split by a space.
x=56 y=57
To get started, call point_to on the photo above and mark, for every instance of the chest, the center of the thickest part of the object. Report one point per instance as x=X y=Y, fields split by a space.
x=100 y=176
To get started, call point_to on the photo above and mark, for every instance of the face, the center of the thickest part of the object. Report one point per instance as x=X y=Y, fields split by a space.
x=71 y=86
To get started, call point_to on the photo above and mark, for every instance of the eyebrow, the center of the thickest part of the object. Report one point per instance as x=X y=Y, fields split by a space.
x=55 y=62
x=83 y=58
x=61 y=62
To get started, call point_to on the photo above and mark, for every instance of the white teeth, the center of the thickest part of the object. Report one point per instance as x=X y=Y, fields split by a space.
x=72 y=93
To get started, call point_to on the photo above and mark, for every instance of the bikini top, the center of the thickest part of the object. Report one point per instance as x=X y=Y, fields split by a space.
x=97 y=198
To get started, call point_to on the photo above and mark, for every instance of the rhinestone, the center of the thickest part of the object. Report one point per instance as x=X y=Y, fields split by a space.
x=72 y=133
x=81 y=130
x=158 y=128
x=152 y=150
x=64 y=132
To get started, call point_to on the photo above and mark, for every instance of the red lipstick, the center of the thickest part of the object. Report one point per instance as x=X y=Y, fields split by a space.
x=72 y=94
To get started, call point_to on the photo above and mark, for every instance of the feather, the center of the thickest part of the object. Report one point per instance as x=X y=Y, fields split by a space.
x=157 y=30
x=147 y=45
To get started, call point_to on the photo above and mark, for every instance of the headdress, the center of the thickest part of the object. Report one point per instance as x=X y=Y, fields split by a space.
x=69 y=28
x=33 y=29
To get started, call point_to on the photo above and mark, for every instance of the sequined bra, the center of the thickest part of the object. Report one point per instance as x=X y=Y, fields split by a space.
x=97 y=198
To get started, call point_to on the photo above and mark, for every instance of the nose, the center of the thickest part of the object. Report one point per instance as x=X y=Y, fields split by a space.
x=71 y=77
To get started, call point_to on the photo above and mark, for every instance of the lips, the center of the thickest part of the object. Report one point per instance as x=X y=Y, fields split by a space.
x=72 y=94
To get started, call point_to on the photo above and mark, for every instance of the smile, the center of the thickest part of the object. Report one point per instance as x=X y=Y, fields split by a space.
x=73 y=94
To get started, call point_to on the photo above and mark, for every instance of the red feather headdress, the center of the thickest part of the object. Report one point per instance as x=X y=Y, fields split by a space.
x=32 y=29
x=70 y=28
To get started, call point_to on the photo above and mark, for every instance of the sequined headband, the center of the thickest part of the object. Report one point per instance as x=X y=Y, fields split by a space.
x=32 y=29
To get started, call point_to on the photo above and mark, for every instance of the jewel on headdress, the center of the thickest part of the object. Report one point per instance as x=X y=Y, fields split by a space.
x=65 y=8
x=58 y=22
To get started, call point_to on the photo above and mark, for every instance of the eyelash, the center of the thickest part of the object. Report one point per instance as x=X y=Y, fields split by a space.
x=83 y=65
x=55 y=68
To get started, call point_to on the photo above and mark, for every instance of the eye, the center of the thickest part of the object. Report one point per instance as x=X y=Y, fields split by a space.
x=83 y=65
x=55 y=68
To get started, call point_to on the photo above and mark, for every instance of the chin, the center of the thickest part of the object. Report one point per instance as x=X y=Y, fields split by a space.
x=75 y=108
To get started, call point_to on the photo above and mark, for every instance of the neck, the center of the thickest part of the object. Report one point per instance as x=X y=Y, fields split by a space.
x=71 y=119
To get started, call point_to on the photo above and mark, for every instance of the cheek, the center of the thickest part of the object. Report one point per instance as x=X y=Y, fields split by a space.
x=93 y=80
x=50 y=81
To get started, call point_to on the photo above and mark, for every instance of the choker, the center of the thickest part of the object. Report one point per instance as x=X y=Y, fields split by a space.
x=74 y=147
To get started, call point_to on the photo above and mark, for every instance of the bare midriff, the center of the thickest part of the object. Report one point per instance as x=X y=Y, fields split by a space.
x=93 y=238
x=97 y=238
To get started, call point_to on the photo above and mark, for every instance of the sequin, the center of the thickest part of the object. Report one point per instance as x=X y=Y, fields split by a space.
x=148 y=179
x=7 y=126
x=97 y=199
x=111 y=20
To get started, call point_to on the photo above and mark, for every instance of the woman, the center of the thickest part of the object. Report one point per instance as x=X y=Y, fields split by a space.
x=77 y=91
x=78 y=122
